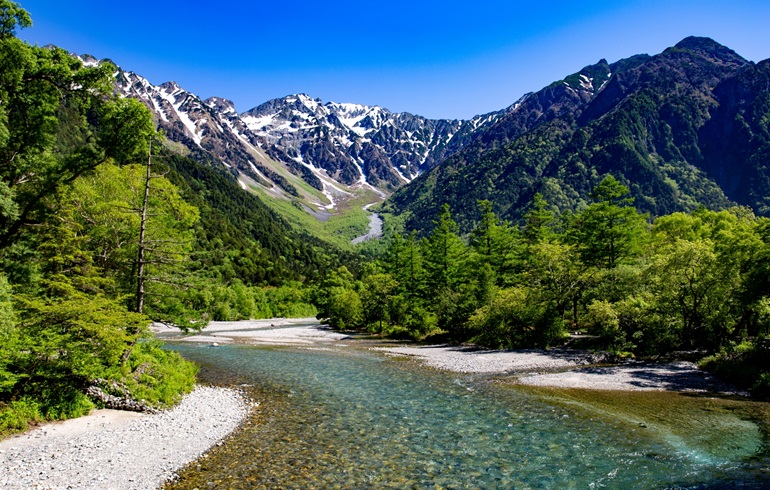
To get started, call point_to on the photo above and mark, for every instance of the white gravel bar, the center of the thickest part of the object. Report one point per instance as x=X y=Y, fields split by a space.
x=636 y=376
x=473 y=360
x=110 y=449
x=278 y=331
x=563 y=368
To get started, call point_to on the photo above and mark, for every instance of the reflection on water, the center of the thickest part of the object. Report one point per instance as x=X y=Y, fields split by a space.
x=355 y=419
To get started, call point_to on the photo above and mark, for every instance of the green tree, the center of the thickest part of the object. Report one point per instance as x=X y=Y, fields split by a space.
x=406 y=266
x=338 y=302
x=539 y=220
x=11 y=16
x=610 y=230
x=106 y=205
x=698 y=273
x=377 y=298
x=445 y=254
x=515 y=318
x=58 y=120
x=497 y=244
x=557 y=273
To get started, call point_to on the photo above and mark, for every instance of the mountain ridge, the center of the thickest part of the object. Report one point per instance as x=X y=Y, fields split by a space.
x=649 y=120
x=300 y=148
x=655 y=124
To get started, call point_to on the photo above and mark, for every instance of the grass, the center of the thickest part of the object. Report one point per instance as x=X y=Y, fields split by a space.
x=18 y=415
x=348 y=221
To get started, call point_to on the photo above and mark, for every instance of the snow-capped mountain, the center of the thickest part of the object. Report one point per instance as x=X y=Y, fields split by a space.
x=287 y=143
x=354 y=142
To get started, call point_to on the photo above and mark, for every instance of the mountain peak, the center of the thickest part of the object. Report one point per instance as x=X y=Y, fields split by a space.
x=708 y=47
x=171 y=85
x=697 y=43
x=221 y=104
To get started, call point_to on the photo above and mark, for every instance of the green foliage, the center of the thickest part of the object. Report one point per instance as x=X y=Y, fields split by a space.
x=9 y=338
x=237 y=301
x=68 y=237
x=444 y=254
x=515 y=318
x=746 y=364
x=157 y=376
x=377 y=296
x=603 y=319
x=539 y=221
x=18 y=415
x=11 y=16
x=697 y=281
x=58 y=120
x=338 y=302
x=609 y=230
x=238 y=236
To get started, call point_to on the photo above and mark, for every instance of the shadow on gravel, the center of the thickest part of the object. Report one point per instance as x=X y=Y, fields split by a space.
x=674 y=377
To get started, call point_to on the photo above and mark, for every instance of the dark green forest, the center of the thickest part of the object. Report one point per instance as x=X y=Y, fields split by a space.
x=694 y=285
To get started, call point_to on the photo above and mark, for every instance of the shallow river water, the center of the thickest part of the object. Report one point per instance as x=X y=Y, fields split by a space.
x=343 y=417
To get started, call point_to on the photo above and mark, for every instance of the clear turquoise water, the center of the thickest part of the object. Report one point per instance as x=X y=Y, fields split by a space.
x=352 y=418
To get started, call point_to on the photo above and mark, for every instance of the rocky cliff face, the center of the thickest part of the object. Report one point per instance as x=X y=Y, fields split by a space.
x=286 y=143
x=356 y=143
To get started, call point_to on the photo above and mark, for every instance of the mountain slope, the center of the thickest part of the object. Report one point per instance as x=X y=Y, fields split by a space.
x=241 y=238
x=299 y=148
x=662 y=125
x=359 y=144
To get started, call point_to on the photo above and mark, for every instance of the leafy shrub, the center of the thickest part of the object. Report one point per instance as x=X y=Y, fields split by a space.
x=18 y=415
x=746 y=365
x=515 y=319
x=62 y=401
x=603 y=320
x=157 y=376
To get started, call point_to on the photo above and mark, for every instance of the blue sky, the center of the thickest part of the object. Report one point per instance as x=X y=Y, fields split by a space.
x=437 y=59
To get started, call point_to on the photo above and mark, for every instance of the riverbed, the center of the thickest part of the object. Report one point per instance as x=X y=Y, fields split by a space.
x=341 y=412
x=375 y=227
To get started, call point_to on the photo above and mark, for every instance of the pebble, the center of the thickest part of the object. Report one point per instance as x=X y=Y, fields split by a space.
x=142 y=454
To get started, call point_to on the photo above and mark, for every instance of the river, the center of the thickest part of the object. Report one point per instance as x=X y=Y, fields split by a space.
x=342 y=416
x=375 y=227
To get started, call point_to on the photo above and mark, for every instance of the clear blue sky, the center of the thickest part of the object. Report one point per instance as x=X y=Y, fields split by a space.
x=443 y=59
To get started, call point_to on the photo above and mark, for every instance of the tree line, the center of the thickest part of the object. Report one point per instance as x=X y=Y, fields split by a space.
x=697 y=282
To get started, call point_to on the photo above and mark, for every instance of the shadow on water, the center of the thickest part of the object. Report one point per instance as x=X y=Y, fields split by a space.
x=349 y=418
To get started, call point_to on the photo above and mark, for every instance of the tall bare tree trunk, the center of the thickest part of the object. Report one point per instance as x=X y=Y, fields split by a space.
x=142 y=230
x=140 y=254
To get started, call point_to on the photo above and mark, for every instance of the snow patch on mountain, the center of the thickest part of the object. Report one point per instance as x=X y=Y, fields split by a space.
x=336 y=147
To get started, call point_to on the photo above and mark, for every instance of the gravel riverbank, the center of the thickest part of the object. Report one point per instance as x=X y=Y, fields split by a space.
x=118 y=450
x=474 y=360
x=564 y=368
x=275 y=331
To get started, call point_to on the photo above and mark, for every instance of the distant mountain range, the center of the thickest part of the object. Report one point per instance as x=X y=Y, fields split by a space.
x=684 y=128
x=687 y=127
x=300 y=147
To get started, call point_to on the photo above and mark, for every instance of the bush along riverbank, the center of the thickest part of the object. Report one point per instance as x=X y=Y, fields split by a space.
x=150 y=379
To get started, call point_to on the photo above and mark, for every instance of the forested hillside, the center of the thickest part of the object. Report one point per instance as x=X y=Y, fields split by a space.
x=104 y=230
x=693 y=285
x=684 y=128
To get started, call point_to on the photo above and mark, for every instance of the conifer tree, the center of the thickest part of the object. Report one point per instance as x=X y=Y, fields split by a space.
x=610 y=230
x=444 y=253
